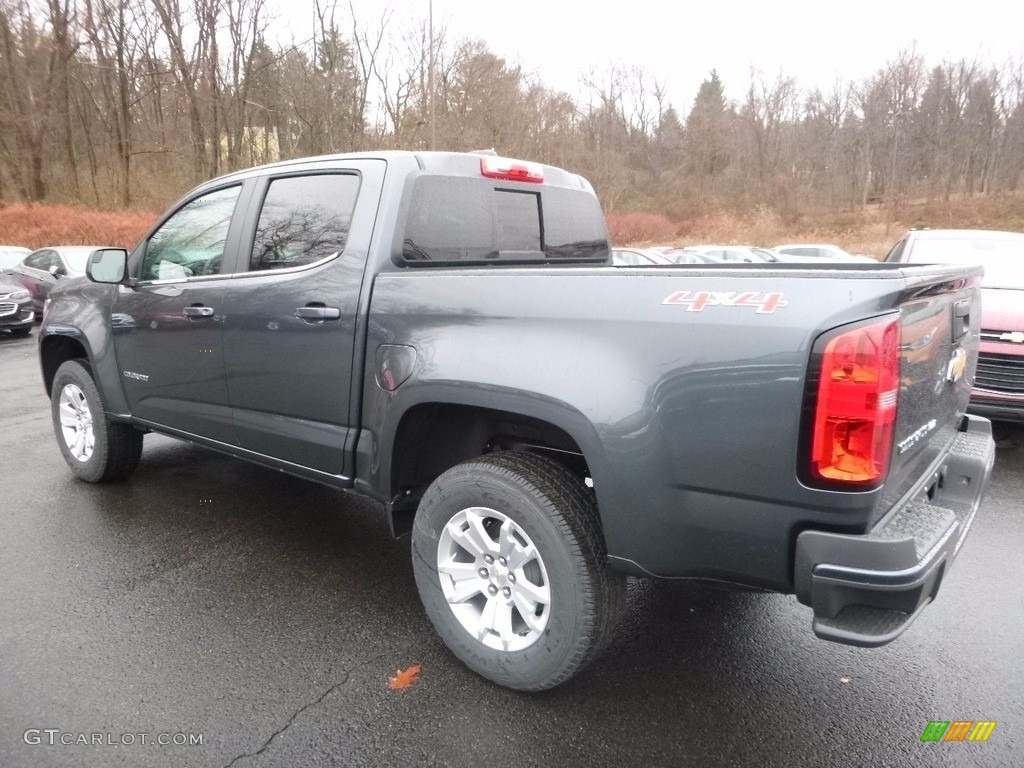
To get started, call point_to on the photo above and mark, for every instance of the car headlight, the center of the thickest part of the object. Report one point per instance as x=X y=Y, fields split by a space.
x=19 y=295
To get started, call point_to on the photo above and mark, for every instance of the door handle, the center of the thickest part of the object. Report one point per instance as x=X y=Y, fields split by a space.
x=320 y=312
x=198 y=311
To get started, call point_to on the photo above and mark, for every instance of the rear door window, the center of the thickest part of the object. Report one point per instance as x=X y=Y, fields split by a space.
x=304 y=219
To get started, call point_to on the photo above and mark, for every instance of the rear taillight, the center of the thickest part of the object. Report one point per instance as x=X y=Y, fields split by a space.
x=855 y=408
x=511 y=170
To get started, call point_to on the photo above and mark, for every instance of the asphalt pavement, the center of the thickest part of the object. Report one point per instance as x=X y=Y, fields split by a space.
x=209 y=600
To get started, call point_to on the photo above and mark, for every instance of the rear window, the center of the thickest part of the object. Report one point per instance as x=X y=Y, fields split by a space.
x=454 y=220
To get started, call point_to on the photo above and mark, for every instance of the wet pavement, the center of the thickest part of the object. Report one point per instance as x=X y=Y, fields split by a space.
x=209 y=599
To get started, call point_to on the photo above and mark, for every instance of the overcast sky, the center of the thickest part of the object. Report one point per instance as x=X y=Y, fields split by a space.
x=680 y=42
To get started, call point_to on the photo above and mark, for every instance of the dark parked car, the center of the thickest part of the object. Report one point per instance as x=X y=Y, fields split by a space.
x=999 y=383
x=16 y=313
x=40 y=270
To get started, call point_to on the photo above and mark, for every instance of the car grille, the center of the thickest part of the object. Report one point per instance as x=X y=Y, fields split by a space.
x=1002 y=336
x=1000 y=373
x=8 y=308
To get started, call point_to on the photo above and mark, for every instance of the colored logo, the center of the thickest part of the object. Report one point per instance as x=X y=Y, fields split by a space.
x=958 y=730
x=696 y=301
x=957 y=366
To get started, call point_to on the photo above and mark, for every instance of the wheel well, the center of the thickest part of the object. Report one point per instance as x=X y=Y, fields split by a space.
x=56 y=351
x=434 y=437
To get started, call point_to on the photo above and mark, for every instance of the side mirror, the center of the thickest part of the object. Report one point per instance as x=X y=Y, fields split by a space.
x=56 y=272
x=107 y=265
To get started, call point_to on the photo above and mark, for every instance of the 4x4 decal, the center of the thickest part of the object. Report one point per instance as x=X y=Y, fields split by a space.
x=696 y=301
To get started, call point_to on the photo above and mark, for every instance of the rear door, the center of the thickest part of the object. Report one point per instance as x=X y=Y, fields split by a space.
x=292 y=314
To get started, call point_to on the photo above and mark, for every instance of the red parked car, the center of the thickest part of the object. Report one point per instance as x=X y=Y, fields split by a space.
x=999 y=382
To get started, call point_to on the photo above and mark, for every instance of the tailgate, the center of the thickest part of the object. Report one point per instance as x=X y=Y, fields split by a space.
x=940 y=315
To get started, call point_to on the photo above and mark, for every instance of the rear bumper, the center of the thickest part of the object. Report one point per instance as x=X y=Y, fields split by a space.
x=997 y=408
x=867 y=589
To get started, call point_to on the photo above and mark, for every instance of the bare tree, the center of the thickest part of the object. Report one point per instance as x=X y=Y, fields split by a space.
x=766 y=109
x=105 y=98
x=195 y=72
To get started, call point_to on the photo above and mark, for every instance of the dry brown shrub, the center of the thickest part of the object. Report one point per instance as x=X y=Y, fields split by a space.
x=636 y=228
x=870 y=231
x=36 y=225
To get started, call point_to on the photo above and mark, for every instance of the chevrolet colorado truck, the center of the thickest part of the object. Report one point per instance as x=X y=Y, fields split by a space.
x=445 y=333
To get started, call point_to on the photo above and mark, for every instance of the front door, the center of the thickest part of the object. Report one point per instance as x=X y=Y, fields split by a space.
x=169 y=326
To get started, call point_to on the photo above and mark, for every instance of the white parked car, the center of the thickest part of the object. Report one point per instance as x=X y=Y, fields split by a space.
x=11 y=255
x=816 y=251
x=638 y=257
x=744 y=254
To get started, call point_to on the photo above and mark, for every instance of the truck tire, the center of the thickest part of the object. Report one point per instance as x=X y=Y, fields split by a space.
x=97 y=450
x=511 y=568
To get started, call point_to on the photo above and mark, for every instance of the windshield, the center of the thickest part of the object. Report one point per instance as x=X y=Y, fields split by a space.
x=11 y=256
x=1002 y=258
x=76 y=260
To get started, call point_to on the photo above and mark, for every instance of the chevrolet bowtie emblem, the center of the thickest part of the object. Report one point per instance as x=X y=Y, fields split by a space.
x=957 y=366
x=1017 y=337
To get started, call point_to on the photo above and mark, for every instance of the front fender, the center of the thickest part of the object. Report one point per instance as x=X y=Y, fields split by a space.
x=78 y=323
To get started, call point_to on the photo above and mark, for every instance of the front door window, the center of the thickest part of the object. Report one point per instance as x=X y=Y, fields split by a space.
x=191 y=242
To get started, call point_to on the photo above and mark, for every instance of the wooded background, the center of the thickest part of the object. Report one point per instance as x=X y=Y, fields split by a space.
x=128 y=103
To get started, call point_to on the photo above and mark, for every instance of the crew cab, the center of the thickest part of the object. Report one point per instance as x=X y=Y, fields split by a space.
x=446 y=333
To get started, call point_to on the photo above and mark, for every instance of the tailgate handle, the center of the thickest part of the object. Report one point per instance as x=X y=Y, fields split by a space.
x=961 y=319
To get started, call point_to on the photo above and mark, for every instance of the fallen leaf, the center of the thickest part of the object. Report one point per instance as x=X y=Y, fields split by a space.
x=404 y=677
x=844 y=680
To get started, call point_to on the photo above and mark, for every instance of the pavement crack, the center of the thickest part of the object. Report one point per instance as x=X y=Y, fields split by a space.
x=304 y=707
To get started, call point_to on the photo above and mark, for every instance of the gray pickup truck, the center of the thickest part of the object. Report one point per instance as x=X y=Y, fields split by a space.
x=445 y=333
